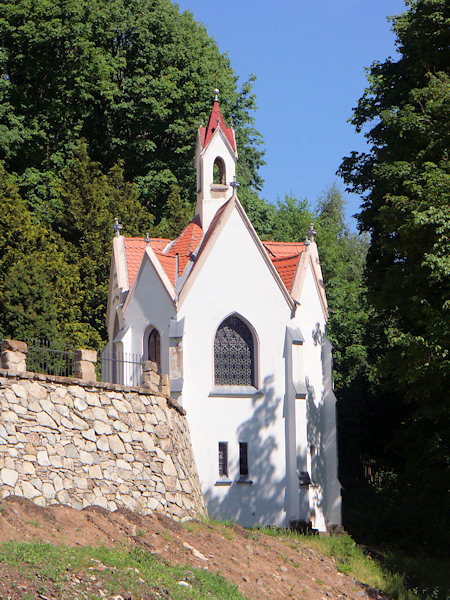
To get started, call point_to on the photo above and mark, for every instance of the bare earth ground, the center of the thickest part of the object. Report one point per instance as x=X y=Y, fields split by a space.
x=261 y=566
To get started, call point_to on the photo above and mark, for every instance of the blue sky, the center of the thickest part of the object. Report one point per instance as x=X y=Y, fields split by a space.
x=309 y=59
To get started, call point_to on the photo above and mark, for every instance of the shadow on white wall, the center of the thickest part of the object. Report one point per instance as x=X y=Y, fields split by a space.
x=262 y=501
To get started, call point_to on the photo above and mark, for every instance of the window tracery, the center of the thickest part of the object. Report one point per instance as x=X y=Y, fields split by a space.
x=234 y=353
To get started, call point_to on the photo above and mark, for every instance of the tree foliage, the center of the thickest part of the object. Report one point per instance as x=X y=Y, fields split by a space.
x=404 y=180
x=342 y=257
x=91 y=200
x=133 y=78
x=54 y=282
x=179 y=214
x=38 y=287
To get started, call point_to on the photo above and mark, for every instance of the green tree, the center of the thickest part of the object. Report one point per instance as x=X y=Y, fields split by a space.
x=132 y=78
x=38 y=287
x=404 y=180
x=342 y=258
x=91 y=201
x=293 y=218
x=261 y=213
x=179 y=214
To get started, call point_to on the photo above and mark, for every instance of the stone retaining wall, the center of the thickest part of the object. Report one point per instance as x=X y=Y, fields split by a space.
x=77 y=443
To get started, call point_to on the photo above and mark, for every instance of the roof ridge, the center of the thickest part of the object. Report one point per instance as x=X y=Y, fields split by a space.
x=296 y=255
x=135 y=237
x=191 y=240
x=282 y=243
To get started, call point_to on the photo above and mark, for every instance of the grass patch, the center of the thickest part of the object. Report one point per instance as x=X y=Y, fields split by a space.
x=393 y=573
x=192 y=526
x=133 y=570
x=430 y=576
x=225 y=528
x=34 y=523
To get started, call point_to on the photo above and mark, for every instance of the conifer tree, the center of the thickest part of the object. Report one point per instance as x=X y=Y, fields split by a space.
x=91 y=200
x=179 y=213
x=38 y=287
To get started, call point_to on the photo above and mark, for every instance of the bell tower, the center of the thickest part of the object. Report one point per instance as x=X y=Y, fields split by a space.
x=215 y=161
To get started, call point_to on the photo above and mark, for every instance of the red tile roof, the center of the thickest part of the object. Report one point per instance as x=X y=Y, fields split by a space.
x=216 y=120
x=286 y=267
x=168 y=263
x=184 y=246
x=159 y=243
x=284 y=255
x=279 y=249
x=188 y=240
x=134 y=251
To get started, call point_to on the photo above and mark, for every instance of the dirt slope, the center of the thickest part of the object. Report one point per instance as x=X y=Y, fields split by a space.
x=261 y=566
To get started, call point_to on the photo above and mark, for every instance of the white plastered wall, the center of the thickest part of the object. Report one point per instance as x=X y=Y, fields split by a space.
x=319 y=408
x=333 y=501
x=236 y=279
x=211 y=197
x=149 y=305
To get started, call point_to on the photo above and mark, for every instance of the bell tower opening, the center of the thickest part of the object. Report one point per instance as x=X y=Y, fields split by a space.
x=219 y=172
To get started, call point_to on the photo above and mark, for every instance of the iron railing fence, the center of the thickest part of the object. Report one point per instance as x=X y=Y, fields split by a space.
x=50 y=358
x=120 y=367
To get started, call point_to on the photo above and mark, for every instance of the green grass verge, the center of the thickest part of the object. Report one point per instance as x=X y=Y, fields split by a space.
x=135 y=571
x=398 y=576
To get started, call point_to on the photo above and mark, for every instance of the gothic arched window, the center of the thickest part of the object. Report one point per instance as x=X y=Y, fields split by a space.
x=219 y=175
x=234 y=354
x=154 y=347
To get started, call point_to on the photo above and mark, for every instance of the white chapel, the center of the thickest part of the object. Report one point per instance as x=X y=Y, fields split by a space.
x=238 y=324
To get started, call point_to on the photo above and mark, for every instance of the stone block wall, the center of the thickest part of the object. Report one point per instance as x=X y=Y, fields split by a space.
x=77 y=443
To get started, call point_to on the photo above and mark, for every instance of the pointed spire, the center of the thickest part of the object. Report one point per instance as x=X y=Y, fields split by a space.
x=216 y=121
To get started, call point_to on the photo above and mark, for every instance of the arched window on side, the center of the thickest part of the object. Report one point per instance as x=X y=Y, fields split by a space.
x=234 y=354
x=154 y=347
x=219 y=174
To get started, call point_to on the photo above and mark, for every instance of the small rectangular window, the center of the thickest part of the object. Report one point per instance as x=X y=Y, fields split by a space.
x=312 y=451
x=243 y=459
x=223 y=459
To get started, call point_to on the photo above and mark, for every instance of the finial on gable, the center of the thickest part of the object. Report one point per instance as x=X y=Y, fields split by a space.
x=234 y=184
x=312 y=232
x=117 y=227
x=147 y=238
x=216 y=94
